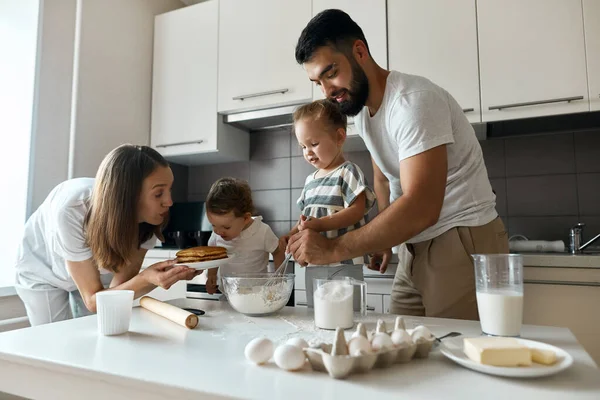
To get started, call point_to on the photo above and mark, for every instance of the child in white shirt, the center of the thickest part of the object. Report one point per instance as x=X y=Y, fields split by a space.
x=335 y=198
x=229 y=209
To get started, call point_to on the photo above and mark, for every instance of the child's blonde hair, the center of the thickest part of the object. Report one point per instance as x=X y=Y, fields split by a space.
x=322 y=110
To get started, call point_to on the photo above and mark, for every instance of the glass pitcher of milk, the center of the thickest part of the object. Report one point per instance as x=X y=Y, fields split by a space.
x=334 y=301
x=499 y=285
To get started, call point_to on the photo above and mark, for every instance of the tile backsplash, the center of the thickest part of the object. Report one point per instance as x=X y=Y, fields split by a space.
x=544 y=184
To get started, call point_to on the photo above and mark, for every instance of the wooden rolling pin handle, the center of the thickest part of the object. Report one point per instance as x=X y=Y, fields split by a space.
x=172 y=313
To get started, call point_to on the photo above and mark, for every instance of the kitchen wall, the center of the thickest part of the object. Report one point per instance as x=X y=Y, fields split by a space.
x=112 y=90
x=544 y=183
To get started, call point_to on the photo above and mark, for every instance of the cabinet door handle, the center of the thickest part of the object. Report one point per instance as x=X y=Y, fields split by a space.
x=260 y=94
x=536 y=103
x=302 y=304
x=466 y=110
x=563 y=283
x=390 y=277
x=180 y=143
x=369 y=308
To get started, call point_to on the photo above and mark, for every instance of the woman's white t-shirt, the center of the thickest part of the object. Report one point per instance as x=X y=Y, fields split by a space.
x=54 y=234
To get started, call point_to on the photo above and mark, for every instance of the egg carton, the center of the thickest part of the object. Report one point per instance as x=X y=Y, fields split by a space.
x=339 y=364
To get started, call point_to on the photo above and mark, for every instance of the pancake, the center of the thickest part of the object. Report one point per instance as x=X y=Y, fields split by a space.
x=201 y=253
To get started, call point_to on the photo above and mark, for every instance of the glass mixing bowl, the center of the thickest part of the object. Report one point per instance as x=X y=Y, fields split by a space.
x=248 y=294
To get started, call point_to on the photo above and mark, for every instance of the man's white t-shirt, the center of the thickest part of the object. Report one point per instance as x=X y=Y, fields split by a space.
x=251 y=248
x=54 y=234
x=415 y=116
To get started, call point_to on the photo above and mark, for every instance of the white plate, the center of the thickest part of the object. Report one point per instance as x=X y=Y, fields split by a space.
x=209 y=264
x=453 y=349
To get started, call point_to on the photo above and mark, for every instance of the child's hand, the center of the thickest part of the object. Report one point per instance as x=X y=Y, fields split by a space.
x=211 y=284
x=314 y=224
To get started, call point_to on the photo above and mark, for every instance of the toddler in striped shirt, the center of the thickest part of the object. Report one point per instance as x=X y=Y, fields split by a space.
x=335 y=198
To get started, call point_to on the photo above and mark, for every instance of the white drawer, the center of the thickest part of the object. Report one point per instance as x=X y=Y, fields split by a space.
x=375 y=303
x=386 y=303
x=379 y=284
x=299 y=280
x=300 y=298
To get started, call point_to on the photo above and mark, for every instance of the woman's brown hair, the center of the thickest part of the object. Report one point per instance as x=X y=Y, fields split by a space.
x=111 y=225
x=230 y=194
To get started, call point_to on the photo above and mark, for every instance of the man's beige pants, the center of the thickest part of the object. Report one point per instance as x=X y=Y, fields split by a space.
x=436 y=278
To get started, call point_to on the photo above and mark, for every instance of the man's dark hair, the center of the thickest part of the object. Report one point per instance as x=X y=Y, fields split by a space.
x=332 y=28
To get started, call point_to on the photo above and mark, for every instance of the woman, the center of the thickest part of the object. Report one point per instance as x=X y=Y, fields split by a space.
x=94 y=233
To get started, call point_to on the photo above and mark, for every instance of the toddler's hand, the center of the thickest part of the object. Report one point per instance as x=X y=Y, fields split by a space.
x=211 y=284
x=310 y=223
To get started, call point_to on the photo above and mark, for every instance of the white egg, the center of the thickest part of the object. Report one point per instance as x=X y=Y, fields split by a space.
x=421 y=334
x=298 y=342
x=259 y=350
x=381 y=341
x=400 y=337
x=359 y=345
x=289 y=357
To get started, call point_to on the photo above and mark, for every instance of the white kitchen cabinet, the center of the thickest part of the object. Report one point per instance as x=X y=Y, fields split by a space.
x=532 y=58
x=370 y=16
x=386 y=303
x=300 y=298
x=567 y=297
x=591 y=23
x=437 y=39
x=375 y=303
x=257 y=68
x=185 y=125
x=177 y=291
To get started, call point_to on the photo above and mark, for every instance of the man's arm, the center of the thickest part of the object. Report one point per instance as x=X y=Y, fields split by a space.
x=381 y=186
x=423 y=178
x=378 y=261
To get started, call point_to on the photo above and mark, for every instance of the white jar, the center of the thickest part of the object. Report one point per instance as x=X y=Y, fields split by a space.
x=333 y=304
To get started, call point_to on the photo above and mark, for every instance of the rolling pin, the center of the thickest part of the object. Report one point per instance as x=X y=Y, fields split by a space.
x=172 y=313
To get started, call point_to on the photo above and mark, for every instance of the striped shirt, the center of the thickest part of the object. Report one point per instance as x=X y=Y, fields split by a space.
x=334 y=192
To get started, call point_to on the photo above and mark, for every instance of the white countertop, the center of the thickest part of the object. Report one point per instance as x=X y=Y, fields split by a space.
x=158 y=359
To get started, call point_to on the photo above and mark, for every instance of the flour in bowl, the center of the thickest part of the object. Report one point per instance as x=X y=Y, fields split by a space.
x=258 y=300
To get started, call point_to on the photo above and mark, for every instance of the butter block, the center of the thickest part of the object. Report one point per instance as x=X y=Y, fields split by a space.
x=546 y=357
x=497 y=351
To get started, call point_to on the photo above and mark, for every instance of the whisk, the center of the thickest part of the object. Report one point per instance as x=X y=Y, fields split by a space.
x=279 y=271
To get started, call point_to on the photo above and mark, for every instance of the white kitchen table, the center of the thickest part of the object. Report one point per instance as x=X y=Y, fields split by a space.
x=158 y=359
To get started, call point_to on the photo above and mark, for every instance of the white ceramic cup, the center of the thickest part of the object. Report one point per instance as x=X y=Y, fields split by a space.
x=113 y=308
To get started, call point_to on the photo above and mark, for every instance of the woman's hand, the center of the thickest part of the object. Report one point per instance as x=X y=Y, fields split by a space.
x=164 y=274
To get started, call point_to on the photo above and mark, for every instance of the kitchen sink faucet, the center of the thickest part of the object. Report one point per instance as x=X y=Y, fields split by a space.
x=576 y=239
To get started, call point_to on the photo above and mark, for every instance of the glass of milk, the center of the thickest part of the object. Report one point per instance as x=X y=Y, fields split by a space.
x=499 y=284
x=333 y=301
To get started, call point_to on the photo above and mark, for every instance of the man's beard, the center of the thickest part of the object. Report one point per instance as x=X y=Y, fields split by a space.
x=358 y=92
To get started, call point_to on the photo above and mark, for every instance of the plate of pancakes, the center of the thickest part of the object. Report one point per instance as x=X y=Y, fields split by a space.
x=203 y=257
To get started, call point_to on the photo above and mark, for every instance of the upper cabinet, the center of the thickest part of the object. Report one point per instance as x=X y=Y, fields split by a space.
x=532 y=58
x=437 y=39
x=591 y=22
x=185 y=125
x=370 y=16
x=257 y=68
